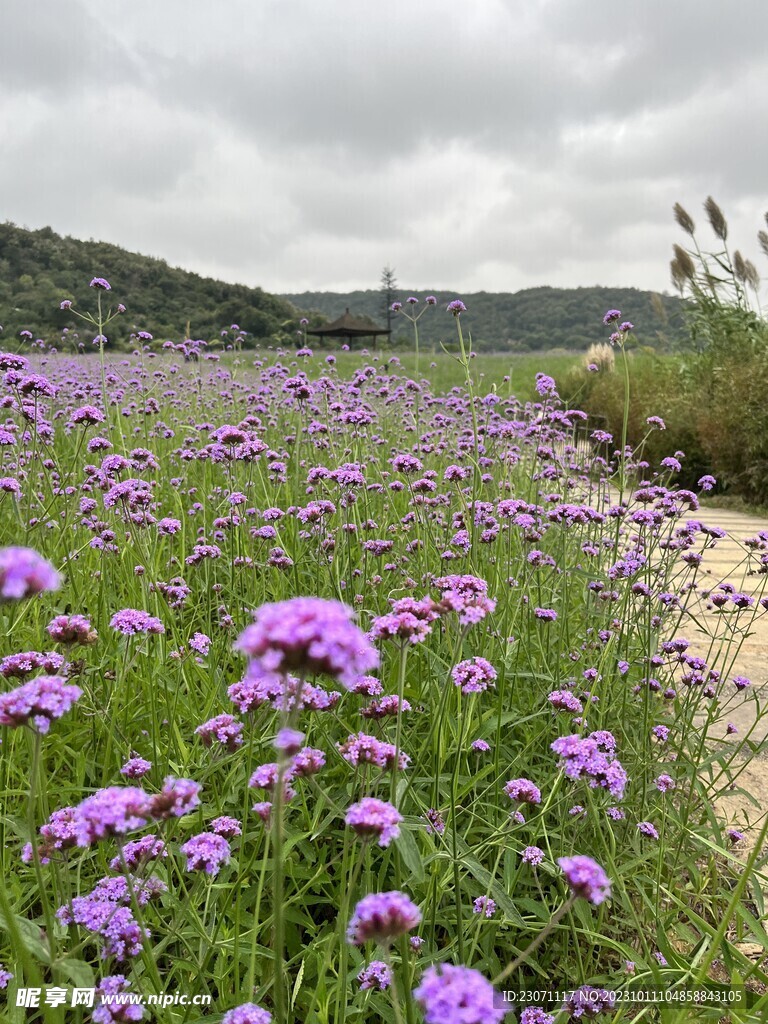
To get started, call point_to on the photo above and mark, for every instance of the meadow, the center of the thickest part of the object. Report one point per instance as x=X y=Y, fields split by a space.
x=333 y=691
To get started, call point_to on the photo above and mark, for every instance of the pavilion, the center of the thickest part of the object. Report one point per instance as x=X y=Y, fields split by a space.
x=348 y=327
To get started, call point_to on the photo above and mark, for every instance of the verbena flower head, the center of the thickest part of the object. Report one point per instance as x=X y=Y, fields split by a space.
x=206 y=852
x=523 y=791
x=586 y=878
x=136 y=768
x=59 y=833
x=134 y=621
x=372 y=817
x=376 y=976
x=111 y=812
x=383 y=917
x=224 y=730
x=587 y=1002
x=450 y=994
x=109 y=1006
x=484 y=905
x=456 y=307
x=71 y=629
x=139 y=852
x=466 y=595
x=101 y=284
x=38 y=702
x=5 y=977
x=247 y=1013
x=309 y=635
x=24 y=573
x=177 y=798
x=474 y=675
x=533 y=855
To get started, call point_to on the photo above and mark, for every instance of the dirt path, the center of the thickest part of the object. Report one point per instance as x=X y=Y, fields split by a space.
x=726 y=562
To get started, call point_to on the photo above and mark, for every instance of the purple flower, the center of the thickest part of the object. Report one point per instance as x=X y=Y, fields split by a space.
x=136 y=768
x=110 y=1007
x=225 y=826
x=466 y=595
x=523 y=791
x=484 y=905
x=38 y=702
x=110 y=812
x=101 y=284
x=545 y=385
x=456 y=307
x=223 y=729
x=450 y=994
x=587 y=1002
x=206 y=852
x=707 y=482
x=664 y=783
x=535 y=1015
x=612 y=316
x=647 y=828
x=383 y=917
x=735 y=835
x=58 y=833
x=200 y=643
x=71 y=629
x=533 y=855
x=24 y=573
x=474 y=675
x=247 y=1013
x=309 y=635
x=586 y=878
x=139 y=852
x=132 y=621
x=177 y=798
x=288 y=742
x=376 y=975
x=564 y=700
x=481 y=746
x=372 y=817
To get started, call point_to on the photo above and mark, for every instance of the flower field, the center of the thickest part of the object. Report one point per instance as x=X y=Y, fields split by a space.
x=338 y=696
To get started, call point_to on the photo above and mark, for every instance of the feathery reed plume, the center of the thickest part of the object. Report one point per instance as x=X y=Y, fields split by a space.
x=678 y=277
x=716 y=218
x=684 y=219
x=752 y=277
x=684 y=261
x=739 y=267
x=600 y=355
x=762 y=237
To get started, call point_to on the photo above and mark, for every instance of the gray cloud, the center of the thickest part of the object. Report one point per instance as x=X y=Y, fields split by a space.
x=294 y=145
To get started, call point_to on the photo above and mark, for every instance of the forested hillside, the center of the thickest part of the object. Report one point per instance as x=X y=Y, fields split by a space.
x=38 y=269
x=536 y=318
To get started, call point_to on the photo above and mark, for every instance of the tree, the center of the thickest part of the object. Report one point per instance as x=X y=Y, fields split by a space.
x=388 y=286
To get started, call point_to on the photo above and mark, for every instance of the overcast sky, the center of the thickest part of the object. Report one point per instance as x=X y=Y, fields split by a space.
x=304 y=144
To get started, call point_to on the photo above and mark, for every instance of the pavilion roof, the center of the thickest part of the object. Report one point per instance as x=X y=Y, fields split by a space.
x=349 y=326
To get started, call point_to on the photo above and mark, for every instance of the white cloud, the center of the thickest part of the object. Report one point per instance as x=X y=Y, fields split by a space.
x=295 y=145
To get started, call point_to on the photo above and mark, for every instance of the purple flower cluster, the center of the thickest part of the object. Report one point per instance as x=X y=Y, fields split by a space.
x=449 y=994
x=133 y=621
x=371 y=817
x=38 y=702
x=24 y=573
x=206 y=852
x=586 y=878
x=382 y=917
x=588 y=758
x=309 y=636
x=474 y=675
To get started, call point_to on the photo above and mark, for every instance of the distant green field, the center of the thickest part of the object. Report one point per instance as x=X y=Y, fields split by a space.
x=444 y=372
